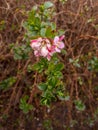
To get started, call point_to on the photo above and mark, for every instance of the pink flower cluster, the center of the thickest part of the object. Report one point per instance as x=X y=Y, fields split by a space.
x=45 y=47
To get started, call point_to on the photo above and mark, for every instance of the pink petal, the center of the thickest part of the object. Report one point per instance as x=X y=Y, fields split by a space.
x=56 y=39
x=35 y=45
x=48 y=46
x=39 y=39
x=61 y=45
x=35 y=40
x=61 y=37
x=44 y=51
x=36 y=53
x=57 y=49
x=51 y=50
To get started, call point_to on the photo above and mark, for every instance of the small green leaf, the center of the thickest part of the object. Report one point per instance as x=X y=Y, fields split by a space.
x=79 y=105
x=7 y=83
x=42 y=86
x=41 y=65
x=53 y=26
x=49 y=33
x=43 y=32
x=59 y=67
x=96 y=88
x=47 y=124
x=48 y=4
x=35 y=7
x=21 y=52
x=62 y=96
x=46 y=101
x=2 y=25
x=52 y=81
x=37 y=22
x=61 y=32
x=64 y=52
x=58 y=74
x=93 y=64
x=24 y=106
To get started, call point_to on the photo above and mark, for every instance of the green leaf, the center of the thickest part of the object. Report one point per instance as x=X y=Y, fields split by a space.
x=47 y=124
x=21 y=52
x=53 y=26
x=24 y=106
x=41 y=65
x=93 y=64
x=2 y=25
x=96 y=88
x=37 y=21
x=79 y=105
x=64 y=52
x=62 y=96
x=61 y=32
x=47 y=97
x=49 y=33
x=58 y=74
x=59 y=67
x=45 y=101
x=48 y=4
x=35 y=8
x=42 y=86
x=7 y=83
x=52 y=81
x=43 y=32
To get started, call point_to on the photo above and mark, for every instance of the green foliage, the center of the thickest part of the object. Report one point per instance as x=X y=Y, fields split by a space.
x=80 y=80
x=41 y=65
x=62 y=96
x=21 y=52
x=53 y=85
x=63 y=1
x=91 y=20
x=47 y=125
x=2 y=25
x=30 y=68
x=96 y=114
x=75 y=62
x=48 y=4
x=96 y=88
x=90 y=122
x=73 y=123
x=79 y=105
x=47 y=98
x=7 y=83
x=38 y=22
x=24 y=106
x=42 y=86
x=61 y=32
x=93 y=64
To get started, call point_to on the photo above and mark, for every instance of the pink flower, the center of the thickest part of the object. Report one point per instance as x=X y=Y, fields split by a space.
x=42 y=47
x=44 y=51
x=59 y=44
x=45 y=48
x=35 y=44
x=36 y=53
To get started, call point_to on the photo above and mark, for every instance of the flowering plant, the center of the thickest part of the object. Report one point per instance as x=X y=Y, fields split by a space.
x=46 y=42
